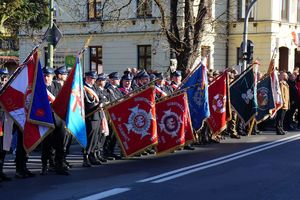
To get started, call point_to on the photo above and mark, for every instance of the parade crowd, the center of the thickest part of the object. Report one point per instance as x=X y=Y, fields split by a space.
x=102 y=89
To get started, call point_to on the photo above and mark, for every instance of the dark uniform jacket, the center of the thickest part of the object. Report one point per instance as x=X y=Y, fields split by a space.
x=114 y=93
x=91 y=104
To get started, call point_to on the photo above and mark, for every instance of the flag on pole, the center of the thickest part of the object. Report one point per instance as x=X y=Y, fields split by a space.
x=265 y=99
x=218 y=99
x=135 y=126
x=69 y=104
x=197 y=96
x=18 y=99
x=243 y=95
x=170 y=123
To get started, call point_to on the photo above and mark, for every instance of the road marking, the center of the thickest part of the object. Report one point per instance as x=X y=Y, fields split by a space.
x=223 y=161
x=106 y=194
x=215 y=160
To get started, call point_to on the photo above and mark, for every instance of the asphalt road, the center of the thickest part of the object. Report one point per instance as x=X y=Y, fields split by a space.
x=265 y=166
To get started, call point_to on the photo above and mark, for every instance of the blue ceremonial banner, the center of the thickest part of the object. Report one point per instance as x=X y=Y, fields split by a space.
x=243 y=95
x=40 y=111
x=75 y=119
x=198 y=96
x=265 y=99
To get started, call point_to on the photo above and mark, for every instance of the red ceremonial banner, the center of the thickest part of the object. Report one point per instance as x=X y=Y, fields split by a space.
x=171 y=123
x=218 y=100
x=188 y=128
x=134 y=122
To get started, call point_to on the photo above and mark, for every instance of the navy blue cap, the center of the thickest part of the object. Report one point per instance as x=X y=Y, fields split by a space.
x=48 y=70
x=4 y=71
x=92 y=74
x=114 y=75
x=143 y=74
x=102 y=77
x=61 y=70
x=176 y=73
x=159 y=76
x=126 y=72
x=152 y=77
x=127 y=77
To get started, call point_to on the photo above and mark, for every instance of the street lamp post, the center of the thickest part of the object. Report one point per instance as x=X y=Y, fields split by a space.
x=245 y=34
x=50 y=35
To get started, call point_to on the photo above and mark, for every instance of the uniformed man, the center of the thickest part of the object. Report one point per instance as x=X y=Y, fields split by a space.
x=113 y=85
x=61 y=74
x=176 y=79
x=55 y=140
x=91 y=103
x=104 y=132
x=161 y=89
x=114 y=94
x=125 y=86
x=3 y=80
x=143 y=78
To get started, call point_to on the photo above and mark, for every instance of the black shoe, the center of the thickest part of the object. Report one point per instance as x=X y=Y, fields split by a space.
x=101 y=159
x=117 y=157
x=108 y=157
x=29 y=173
x=235 y=136
x=86 y=164
x=62 y=171
x=144 y=153
x=151 y=151
x=188 y=147
x=21 y=175
x=44 y=170
x=94 y=161
x=67 y=164
x=4 y=177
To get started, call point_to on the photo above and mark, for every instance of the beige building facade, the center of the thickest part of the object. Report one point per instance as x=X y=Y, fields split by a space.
x=134 y=40
x=273 y=24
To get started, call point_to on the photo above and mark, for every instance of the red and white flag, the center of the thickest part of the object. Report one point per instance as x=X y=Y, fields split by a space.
x=134 y=122
x=217 y=93
x=170 y=114
x=17 y=98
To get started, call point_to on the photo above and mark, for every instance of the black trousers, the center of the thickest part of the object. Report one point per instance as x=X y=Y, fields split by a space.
x=21 y=155
x=288 y=120
x=279 y=120
x=92 y=131
x=53 y=144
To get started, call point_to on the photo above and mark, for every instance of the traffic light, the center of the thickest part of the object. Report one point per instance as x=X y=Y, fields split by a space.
x=249 y=55
x=250 y=48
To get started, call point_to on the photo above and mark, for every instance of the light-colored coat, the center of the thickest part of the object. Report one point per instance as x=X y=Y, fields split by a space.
x=284 y=87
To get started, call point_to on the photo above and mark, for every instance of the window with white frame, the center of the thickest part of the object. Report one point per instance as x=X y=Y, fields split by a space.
x=242 y=6
x=285 y=4
x=94 y=9
x=144 y=8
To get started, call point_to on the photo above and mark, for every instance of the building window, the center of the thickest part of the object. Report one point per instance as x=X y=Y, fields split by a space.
x=94 y=9
x=96 y=60
x=144 y=8
x=242 y=6
x=285 y=10
x=144 y=57
x=298 y=11
x=205 y=53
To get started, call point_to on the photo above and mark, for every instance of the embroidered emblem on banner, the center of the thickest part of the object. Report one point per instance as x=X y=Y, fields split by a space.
x=139 y=121
x=218 y=103
x=170 y=123
x=263 y=98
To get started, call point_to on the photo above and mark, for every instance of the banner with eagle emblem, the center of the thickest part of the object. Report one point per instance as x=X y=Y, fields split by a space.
x=134 y=122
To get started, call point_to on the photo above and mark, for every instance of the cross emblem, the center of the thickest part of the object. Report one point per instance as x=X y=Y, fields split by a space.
x=76 y=93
